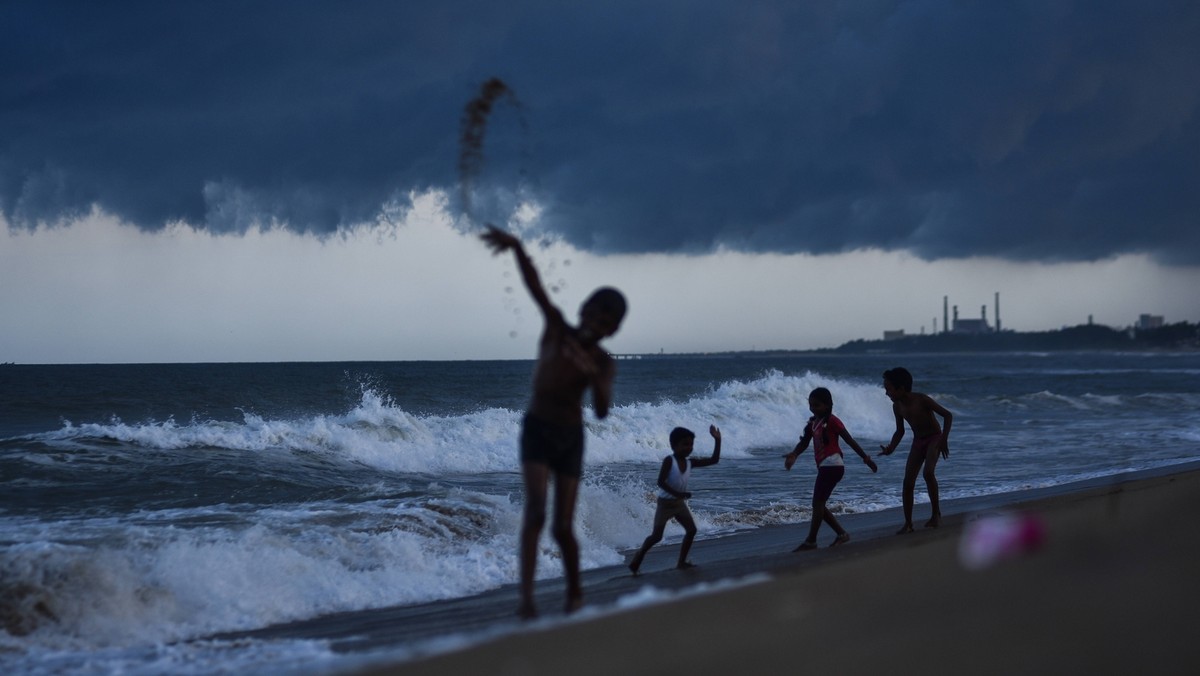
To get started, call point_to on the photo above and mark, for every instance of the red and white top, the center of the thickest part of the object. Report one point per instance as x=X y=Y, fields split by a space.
x=825 y=432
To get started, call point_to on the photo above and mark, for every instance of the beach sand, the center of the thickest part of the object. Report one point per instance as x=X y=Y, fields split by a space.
x=1113 y=589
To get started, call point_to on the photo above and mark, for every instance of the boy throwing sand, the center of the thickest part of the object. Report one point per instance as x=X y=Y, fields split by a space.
x=570 y=362
x=929 y=440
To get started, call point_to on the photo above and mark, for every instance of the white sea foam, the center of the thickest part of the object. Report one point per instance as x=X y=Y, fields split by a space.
x=126 y=584
x=180 y=574
x=767 y=411
x=189 y=573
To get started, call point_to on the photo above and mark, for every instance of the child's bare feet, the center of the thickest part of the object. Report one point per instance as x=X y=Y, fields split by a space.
x=684 y=565
x=573 y=603
x=526 y=611
x=840 y=540
x=633 y=569
x=934 y=522
x=906 y=528
x=805 y=546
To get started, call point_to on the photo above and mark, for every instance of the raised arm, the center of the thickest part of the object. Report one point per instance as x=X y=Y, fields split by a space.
x=897 y=435
x=716 y=454
x=501 y=241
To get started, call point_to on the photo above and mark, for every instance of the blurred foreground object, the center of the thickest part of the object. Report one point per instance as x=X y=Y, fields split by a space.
x=998 y=537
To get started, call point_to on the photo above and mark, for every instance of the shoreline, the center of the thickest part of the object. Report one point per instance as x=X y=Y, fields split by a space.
x=1112 y=590
x=874 y=594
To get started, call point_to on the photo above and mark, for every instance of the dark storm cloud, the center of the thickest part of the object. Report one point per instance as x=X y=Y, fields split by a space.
x=1029 y=130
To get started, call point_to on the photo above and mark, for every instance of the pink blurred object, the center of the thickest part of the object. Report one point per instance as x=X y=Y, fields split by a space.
x=994 y=538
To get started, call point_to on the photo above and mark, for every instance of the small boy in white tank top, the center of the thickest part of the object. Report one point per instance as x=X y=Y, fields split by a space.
x=673 y=493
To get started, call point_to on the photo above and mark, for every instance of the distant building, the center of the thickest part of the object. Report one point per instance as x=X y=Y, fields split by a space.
x=1149 y=322
x=893 y=335
x=971 y=325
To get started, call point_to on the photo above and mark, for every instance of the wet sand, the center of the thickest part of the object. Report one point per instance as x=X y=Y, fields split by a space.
x=1113 y=589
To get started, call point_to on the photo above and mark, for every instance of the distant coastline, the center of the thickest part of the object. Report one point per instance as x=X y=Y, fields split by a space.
x=1180 y=337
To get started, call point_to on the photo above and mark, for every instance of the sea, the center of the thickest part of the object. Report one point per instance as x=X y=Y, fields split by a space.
x=148 y=509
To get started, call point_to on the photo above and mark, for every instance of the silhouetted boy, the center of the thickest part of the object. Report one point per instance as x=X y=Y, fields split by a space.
x=570 y=361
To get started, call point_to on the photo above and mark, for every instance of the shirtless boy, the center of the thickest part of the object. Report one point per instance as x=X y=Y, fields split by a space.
x=929 y=440
x=570 y=362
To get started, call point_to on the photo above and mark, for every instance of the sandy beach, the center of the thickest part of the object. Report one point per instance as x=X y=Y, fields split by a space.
x=1113 y=589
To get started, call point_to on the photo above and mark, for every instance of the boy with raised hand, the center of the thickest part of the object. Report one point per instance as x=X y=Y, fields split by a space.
x=570 y=362
x=673 y=493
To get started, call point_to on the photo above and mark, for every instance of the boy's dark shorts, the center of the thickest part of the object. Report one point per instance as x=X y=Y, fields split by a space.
x=560 y=447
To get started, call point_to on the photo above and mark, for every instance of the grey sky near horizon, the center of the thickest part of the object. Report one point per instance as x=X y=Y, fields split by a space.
x=806 y=172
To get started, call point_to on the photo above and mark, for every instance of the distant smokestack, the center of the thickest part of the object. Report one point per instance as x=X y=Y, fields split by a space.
x=945 y=314
x=997 y=312
x=983 y=314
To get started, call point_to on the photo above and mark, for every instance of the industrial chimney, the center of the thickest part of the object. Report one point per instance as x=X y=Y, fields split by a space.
x=997 y=312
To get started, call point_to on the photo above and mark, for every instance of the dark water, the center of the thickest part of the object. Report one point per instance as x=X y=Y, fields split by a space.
x=144 y=504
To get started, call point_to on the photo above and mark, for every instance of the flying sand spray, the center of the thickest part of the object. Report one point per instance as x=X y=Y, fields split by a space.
x=472 y=130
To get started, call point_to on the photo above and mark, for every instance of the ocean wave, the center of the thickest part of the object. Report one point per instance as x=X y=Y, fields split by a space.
x=137 y=584
x=766 y=411
x=167 y=575
x=153 y=577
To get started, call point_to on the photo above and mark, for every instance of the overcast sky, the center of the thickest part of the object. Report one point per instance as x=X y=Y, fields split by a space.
x=215 y=181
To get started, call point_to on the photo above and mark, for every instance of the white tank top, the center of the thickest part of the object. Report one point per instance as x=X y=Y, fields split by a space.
x=676 y=479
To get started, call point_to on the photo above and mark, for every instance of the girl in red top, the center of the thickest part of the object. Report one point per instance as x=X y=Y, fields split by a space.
x=823 y=429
